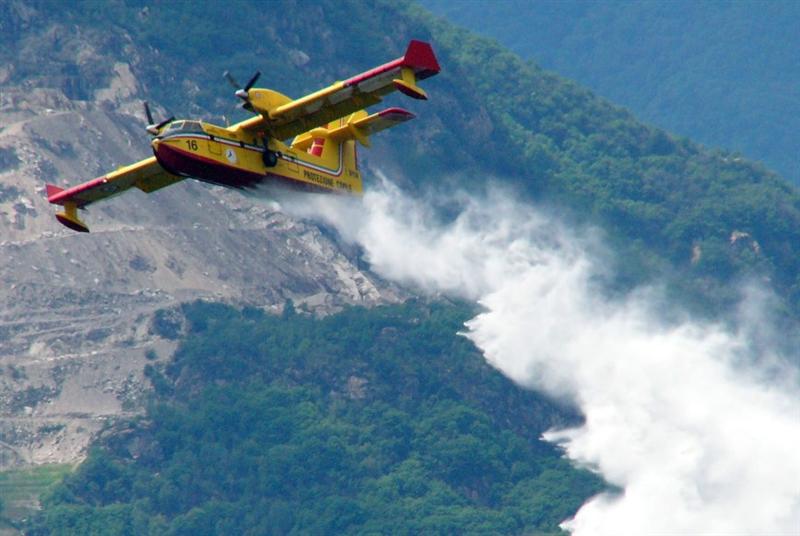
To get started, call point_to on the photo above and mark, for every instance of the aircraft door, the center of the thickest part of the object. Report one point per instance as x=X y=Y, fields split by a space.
x=292 y=163
x=214 y=147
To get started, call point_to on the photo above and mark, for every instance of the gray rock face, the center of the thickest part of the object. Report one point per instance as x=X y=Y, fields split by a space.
x=76 y=310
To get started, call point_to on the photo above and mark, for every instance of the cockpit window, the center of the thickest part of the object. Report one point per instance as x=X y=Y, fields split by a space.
x=185 y=126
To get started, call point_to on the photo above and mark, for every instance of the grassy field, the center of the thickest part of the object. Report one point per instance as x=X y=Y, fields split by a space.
x=20 y=490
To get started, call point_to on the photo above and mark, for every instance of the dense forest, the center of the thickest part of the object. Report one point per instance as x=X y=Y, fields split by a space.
x=362 y=422
x=722 y=73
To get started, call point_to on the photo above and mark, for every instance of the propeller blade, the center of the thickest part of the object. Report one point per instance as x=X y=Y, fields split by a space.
x=231 y=80
x=148 y=114
x=152 y=127
x=252 y=81
x=165 y=122
x=242 y=92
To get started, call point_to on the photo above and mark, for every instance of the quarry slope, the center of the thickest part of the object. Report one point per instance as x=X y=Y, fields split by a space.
x=76 y=326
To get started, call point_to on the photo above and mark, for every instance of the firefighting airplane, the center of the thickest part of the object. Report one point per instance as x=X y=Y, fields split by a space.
x=322 y=156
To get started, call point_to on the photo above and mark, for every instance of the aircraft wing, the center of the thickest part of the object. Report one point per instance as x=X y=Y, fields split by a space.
x=343 y=98
x=147 y=175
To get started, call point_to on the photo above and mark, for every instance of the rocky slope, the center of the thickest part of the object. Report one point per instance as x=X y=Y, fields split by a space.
x=76 y=310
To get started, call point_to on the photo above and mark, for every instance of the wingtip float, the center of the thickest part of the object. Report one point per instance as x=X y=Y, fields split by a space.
x=324 y=127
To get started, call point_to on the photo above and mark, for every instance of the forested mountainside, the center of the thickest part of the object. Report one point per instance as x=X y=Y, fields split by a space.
x=702 y=218
x=722 y=73
x=367 y=421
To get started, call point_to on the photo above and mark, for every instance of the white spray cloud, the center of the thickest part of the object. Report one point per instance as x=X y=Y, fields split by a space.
x=700 y=440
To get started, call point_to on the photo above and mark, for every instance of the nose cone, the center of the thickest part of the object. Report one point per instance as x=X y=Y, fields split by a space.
x=158 y=150
x=171 y=159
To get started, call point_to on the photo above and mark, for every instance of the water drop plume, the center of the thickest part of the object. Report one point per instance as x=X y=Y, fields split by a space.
x=680 y=416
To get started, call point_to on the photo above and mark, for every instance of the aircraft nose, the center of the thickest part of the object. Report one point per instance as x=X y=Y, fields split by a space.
x=155 y=144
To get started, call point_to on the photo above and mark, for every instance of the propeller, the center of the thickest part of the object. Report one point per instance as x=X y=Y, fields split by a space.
x=153 y=127
x=242 y=92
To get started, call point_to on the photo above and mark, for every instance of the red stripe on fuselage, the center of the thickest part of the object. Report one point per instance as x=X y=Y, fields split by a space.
x=205 y=169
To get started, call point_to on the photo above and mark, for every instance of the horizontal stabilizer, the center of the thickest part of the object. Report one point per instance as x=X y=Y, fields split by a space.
x=382 y=120
x=359 y=126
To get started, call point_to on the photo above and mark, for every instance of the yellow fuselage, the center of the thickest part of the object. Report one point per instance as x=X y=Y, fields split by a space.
x=238 y=159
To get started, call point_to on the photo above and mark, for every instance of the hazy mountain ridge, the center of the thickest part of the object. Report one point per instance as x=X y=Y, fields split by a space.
x=671 y=207
x=722 y=73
